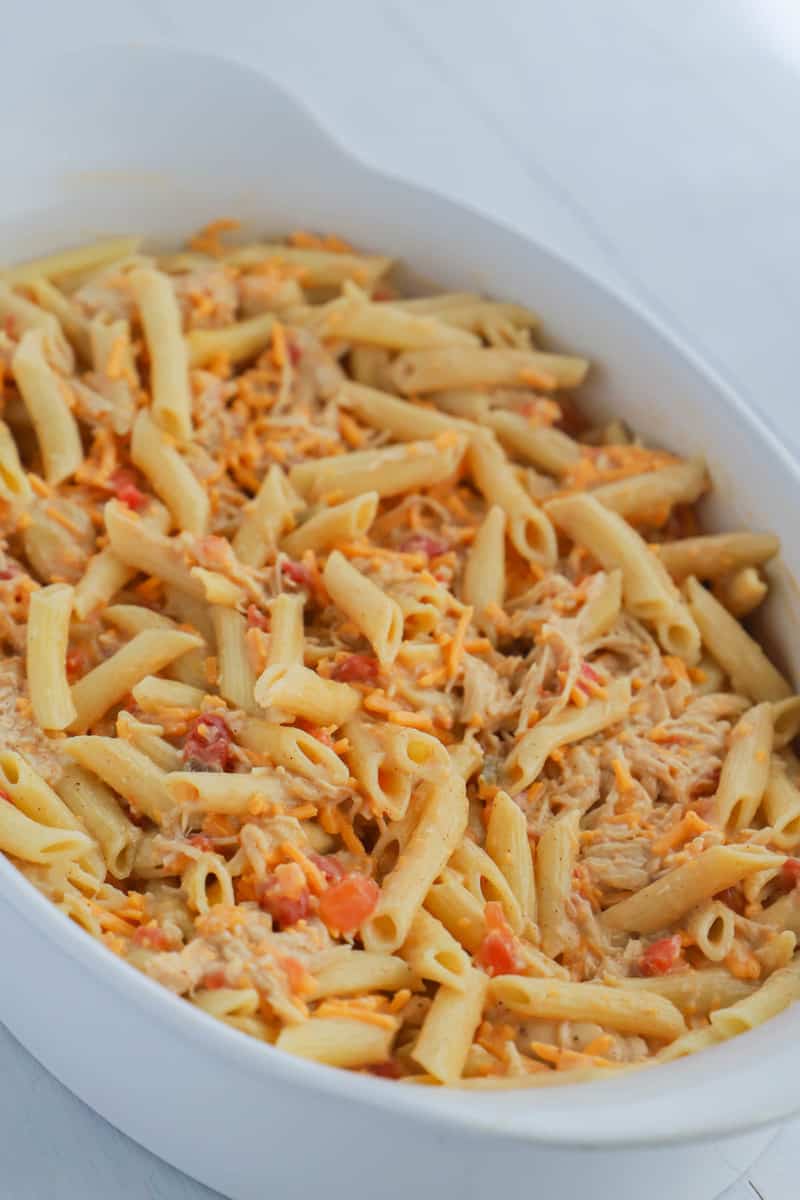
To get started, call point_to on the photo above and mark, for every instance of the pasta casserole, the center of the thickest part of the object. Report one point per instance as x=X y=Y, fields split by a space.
x=359 y=690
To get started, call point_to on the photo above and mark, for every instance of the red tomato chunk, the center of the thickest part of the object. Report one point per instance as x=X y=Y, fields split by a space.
x=208 y=743
x=330 y=867
x=346 y=905
x=297 y=572
x=284 y=909
x=255 y=618
x=661 y=956
x=499 y=952
x=152 y=937
x=790 y=872
x=357 y=668
x=127 y=490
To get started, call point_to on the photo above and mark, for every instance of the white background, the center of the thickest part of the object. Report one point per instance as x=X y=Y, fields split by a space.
x=652 y=141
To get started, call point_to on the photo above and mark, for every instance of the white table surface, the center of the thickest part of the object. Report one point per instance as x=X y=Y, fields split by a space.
x=654 y=143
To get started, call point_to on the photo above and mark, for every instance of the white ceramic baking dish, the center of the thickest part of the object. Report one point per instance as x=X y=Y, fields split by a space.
x=133 y=139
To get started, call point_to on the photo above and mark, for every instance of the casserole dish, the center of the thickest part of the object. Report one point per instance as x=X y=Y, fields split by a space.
x=145 y=144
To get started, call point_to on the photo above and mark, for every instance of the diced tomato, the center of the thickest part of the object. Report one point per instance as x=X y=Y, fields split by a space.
x=10 y=325
x=295 y=353
x=588 y=672
x=790 y=873
x=733 y=898
x=357 y=668
x=661 y=956
x=4 y=796
x=208 y=743
x=76 y=663
x=255 y=618
x=499 y=952
x=331 y=868
x=284 y=909
x=386 y=1070
x=425 y=543
x=316 y=731
x=214 y=980
x=126 y=488
x=8 y=572
x=152 y=937
x=381 y=294
x=201 y=842
x=346 y=905
x=297 y=572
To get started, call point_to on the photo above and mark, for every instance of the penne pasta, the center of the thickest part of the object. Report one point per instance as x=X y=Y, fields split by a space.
x=440 y=369
x=485 y=570
x=108 y=683
x=48 y=636
x=446 y=1035
x=42 y=391
x=745 y=770
x=738 y=654
x=355 y=318
x=433 y=953
x=69 y=262
x=14 y=485
x=266 y=519
x=660 y=904
x=641 y=497
x=25 y=317
x=106 y=573
x=740 y=592
x=299 y=692
x=781 y=989
x=375 y=615
x=339 y=1041
x=329 y=526
x=32 y=842
x=549 y=450
x=295 y=750
x=126 y=770
x=715 y=555
x=529 y=529
x=209 y=791
x=148 y=738
x=238 y=343
x=99 y=812
x=406 y=422
x=436 y=834
x=69 y=318
x=236 y=675
x=648 y=591
x=143 y=548
x=358 y=971
x=170 y=476
x=570 y=725
x=387 y=472
x=169 y=367
x=645 y=1013
x=695 y=993
x=781 y=807
x=603 y=606
x=316 y=268
x=555 y=860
